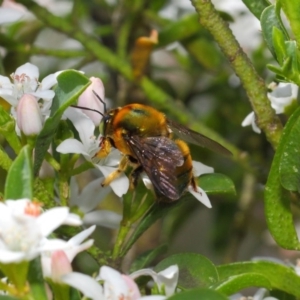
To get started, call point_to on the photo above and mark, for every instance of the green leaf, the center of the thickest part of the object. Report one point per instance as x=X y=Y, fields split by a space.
x=291 y=9
x=19 y=180
x=289 y=164
x=235 y=283
x=279 y=45
x=215 y=183
x=256 y=6
x=198 y=294
x=36 y=280
x=147 y=258
x=70 y=84
x=268 y=21
x=280 y=277
x=277 y=205
x=195 y=270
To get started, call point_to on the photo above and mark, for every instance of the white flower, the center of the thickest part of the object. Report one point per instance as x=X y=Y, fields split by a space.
x=89 y=198
x=282 y=96
x=70 y=249
x=198 y=169
x=23 y=228
x=89 y=146
x=116 y=286
x=165 y=280
x=25 y=81
x=89 y=99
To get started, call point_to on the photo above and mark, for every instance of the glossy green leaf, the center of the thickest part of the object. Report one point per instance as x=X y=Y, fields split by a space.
x=215 y=183
x=268 y=21
x=19 y=180
x=36 y=280
x=236 y=283
x=277 y=204
x=256 y=6
x=289 y=164
x=280 y=277
x=291 y=9
x=70 y=84
x=279 y=45
x=198 y=294
x=147 y=258
x=195 y=270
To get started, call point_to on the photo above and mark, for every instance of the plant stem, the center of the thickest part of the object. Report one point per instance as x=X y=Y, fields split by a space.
x=253 y=84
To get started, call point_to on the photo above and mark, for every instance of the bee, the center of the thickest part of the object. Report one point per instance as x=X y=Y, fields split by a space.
x=145 y=138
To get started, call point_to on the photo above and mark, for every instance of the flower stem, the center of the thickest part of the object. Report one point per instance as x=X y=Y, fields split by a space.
x=253 y=84
x=121 y=238
x=54 y=163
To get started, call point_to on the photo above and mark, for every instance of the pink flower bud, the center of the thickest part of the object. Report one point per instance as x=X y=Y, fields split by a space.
x=89 y=100
x=60 y=265
x=29 y=117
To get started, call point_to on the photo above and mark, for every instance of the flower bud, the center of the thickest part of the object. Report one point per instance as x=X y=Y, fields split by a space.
x=88 y=99
x=60 y=265
x=29 y=117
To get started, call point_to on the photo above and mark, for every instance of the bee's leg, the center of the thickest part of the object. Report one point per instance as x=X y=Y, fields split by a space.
x=134 y=176
x=115 y=174
x=194 y=184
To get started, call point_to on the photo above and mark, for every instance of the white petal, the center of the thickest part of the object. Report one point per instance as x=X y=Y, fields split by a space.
x=114 y=280
x=48 y=82
x=249 y=119
x=255 y=127
x=167 y=278
x=105 y=218
x=8 y=15
x=200 y=195
x=200 y=168
x=46 y=94
x=82 y=123
x=91 y=195
x=85 y=284
x=7 y=257
x=71 y=146
x=29 y=69
x=81 y=236
x=73 y=220
x=51 y=219
x=120 y=185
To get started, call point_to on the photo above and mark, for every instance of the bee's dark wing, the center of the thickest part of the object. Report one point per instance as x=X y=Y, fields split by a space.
x=159 y=157
x=197 y=138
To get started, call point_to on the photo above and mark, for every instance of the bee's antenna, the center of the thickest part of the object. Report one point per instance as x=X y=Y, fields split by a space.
x=86 y=108
x=99 y=98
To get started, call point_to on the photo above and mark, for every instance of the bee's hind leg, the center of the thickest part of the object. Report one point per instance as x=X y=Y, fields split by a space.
x=115 y=174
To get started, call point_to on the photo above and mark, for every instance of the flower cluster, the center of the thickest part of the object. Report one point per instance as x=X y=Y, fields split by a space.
x=28 y=97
